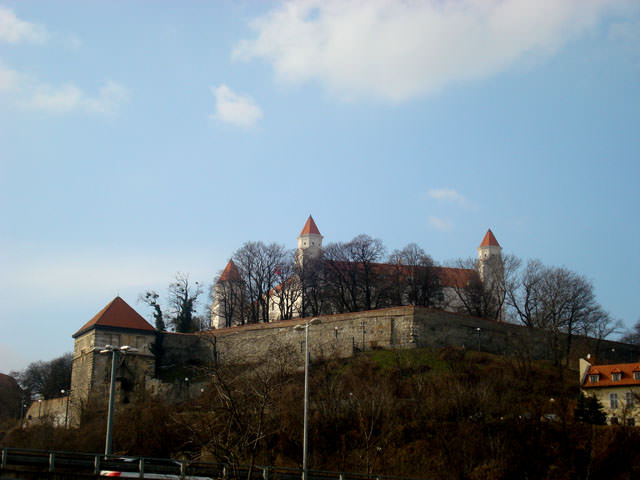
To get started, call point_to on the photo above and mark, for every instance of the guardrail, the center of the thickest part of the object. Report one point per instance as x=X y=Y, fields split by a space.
x=164 y=468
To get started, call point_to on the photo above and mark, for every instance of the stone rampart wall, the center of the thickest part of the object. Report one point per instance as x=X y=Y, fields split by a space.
x=399 y=327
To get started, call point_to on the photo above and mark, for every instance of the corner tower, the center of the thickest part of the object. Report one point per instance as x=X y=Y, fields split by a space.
x=116 y=324
x=490 y=258
x=228 y=298
x=309 y=241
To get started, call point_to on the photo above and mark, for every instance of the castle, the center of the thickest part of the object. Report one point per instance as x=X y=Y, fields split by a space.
x=336 y=335
x=451 y=283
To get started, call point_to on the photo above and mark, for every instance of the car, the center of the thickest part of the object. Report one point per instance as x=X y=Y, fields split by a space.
x=114 y=473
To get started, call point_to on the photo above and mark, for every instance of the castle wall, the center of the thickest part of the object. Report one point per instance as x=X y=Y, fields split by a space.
x=51 y=410
x=342 y=335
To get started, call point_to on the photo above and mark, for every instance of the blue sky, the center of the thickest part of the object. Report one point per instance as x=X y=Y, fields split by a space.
x=142 y=139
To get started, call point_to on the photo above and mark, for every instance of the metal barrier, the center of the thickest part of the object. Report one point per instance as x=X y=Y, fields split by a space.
x=147 y=467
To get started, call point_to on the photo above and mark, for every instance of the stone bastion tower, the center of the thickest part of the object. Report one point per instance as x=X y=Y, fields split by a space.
x=117 y=324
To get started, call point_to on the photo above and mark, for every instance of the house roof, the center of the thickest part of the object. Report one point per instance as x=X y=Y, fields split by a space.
x=489 y=240
x=310 y=227
x=230 y=272
x=605 y=375
x=117 y=314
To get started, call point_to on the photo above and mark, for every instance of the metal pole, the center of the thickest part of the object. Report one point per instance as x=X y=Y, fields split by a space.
x=306 y=403
x=107 y=447
x=66 y=412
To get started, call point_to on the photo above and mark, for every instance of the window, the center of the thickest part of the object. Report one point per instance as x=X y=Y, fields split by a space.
x=613 y=421
x=631 y=422
x=628 y=399
x=613 y=401
x=593 y=378
x=616 y=377
x=636 y=375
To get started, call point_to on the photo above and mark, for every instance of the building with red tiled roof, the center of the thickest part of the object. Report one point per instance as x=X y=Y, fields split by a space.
x=225 y=311
x=118 y=325
x=617 y=388
x=117 y=314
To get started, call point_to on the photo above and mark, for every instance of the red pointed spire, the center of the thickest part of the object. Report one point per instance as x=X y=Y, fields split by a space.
x=230 y=272
x=489 y=240
x=310 y=227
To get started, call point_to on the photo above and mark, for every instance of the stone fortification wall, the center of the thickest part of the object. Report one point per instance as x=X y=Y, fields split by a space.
x=52 y=410
x=342 y=335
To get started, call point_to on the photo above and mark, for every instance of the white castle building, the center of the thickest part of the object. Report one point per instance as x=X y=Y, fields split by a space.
x=229 y=287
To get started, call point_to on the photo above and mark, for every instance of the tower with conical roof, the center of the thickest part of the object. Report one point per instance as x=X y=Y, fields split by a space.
x=491 y=270
x=489 y=257
x=309 y=241
x=228 y=298
x=116 y=324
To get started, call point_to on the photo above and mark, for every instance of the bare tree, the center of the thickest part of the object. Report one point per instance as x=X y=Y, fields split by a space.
x=355 y=280
x=416 y=281
x=311 y=274
x=46 y=378
x=287 y=294
x=183 y=298
x=228 y=297
x=559 y=301
x=632 y=335
x=150 y=297
x=471 y=295
x=258 y=264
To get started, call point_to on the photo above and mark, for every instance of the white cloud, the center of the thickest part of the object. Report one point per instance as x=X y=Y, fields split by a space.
x=234 y=108
x=397 y=50
x=441 y=224
x=33 y=93
x=447 y=195
x=14 y=30
x=8 y=78
x=69 y=98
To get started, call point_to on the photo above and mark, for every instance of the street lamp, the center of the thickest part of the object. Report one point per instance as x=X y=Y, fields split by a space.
x=305 y=327
x=114 y=353
x=66 y=411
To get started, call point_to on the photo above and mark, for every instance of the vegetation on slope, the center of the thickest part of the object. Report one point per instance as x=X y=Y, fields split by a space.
x=447 y=414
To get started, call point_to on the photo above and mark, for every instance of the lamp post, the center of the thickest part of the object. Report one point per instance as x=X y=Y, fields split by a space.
x=66 y=410
x=305 y=327
x=114 y=353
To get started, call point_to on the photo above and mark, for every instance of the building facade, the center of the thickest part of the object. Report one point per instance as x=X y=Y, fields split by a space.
x=617 y=388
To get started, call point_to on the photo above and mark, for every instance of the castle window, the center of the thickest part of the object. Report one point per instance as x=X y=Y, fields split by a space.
x=616 y=377
x=613 y=401
x=594 y=378
x=636 y=375
x=631 y=422
x=628 y=400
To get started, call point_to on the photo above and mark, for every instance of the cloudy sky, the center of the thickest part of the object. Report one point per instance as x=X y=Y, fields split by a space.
x=141 y=139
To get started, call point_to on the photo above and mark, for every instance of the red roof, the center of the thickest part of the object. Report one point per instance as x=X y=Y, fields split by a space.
x=230 y=272
x=310 y=227
x=117 y=314
x=489 y=240
x=605 y=378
